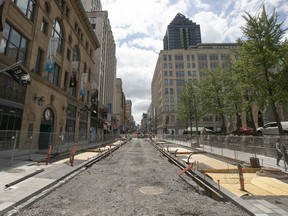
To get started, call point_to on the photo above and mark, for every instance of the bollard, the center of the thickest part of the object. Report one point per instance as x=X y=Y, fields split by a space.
x=241 y=177
x=49 y=153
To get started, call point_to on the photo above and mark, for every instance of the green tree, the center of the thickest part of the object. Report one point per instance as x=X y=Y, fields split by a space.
x=220 y=95
x=262 y=57
x=189 y=107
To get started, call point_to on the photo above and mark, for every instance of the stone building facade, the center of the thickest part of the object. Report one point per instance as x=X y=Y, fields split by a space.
x=56 y=44
x=173 y=69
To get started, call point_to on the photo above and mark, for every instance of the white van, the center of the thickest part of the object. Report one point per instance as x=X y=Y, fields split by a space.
x=271 y=128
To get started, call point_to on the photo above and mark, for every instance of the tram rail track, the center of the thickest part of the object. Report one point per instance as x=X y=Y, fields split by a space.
x=34 y=197
x=211 y=188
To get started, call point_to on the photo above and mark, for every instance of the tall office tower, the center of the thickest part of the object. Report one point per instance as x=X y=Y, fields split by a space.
x=104 y=75
x=181 y=33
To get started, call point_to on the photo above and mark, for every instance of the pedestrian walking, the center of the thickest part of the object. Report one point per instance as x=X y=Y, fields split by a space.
x=281 y=150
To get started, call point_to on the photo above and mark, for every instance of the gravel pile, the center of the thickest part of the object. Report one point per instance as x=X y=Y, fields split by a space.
x=134 y=180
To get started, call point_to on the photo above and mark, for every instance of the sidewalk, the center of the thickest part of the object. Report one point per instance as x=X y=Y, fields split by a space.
x=238 y=155
x=35 y=178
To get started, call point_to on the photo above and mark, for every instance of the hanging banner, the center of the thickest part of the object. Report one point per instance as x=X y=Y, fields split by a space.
x=73 y=75
x=84 y=80
x=52 y=49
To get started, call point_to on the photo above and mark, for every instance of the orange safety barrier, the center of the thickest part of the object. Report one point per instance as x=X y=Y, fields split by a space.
x=186 y=169
x=73 y=154
x=241 y=177
x=49 y=153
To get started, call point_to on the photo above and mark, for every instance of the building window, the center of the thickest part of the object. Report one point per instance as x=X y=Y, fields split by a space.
x=27 y=7
x=10 y=121
x=165 y=57
x=166 y=99
x=213 y=57
x=68 y=55
x=166 y=90
x=165 y=73
x=171 y=82
x=13 y=44
x=170 y=73
x=166 y=108
x=194 y=74
x=202 y=57
x=66 y=81
x=214 y=64
x=47 y=7
x=172 y=119
x=39 y=61
x=57 y=32
x=172 y=108
x=171 y=99
x=192 y=58
x=166 y=82
x=171 y=91
x=89 y=75
x=44 y=27
x=178 y=57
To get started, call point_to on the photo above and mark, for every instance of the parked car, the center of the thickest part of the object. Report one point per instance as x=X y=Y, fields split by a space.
x=271 y=128
x=244 y=131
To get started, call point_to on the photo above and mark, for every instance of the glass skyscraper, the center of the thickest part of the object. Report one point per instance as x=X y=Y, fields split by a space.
x=181 y=33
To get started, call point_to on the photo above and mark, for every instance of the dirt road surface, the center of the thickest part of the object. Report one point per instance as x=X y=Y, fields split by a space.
x=134 y=180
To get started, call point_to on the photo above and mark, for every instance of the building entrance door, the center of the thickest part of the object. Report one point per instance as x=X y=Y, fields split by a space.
x=46 y=129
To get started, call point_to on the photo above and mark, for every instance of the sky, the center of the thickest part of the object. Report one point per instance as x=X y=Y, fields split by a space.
x=139 y=26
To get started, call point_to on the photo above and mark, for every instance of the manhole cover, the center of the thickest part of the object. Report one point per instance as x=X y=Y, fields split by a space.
x=149 y=190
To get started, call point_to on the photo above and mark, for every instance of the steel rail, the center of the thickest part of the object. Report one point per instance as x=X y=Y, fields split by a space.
x=28 y=201
x=212 y=189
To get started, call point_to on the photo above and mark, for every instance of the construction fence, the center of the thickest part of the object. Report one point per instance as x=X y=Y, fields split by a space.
x=17 y=146
x=255 y=145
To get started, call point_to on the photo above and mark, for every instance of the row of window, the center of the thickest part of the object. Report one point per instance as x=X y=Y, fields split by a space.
x=201 y=64
x=171 y=119
x=182 y=74
x=171 y=91
x=200 y=57
x=15 y=46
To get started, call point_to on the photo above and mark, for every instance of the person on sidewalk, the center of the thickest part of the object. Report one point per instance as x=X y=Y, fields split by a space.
x=280 y=150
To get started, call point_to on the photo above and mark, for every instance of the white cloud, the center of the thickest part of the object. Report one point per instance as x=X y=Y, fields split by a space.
x=139 y=27
x=212 y=27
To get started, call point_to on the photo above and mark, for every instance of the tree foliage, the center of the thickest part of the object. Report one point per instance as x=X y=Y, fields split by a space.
x=262 y=60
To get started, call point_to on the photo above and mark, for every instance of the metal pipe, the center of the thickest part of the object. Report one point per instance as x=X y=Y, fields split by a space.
x=24 y=178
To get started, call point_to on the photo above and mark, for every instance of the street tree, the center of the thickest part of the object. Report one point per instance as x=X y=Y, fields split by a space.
x=262 y=58
x=220 y=94
x=189 y=107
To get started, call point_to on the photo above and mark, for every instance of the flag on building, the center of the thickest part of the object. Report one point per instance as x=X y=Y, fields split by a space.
x=51 y=55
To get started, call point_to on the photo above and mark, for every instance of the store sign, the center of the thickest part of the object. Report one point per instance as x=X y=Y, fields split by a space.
x=19 y=74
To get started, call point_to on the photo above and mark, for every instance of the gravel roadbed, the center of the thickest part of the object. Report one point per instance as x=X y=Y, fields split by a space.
x=134 y=180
